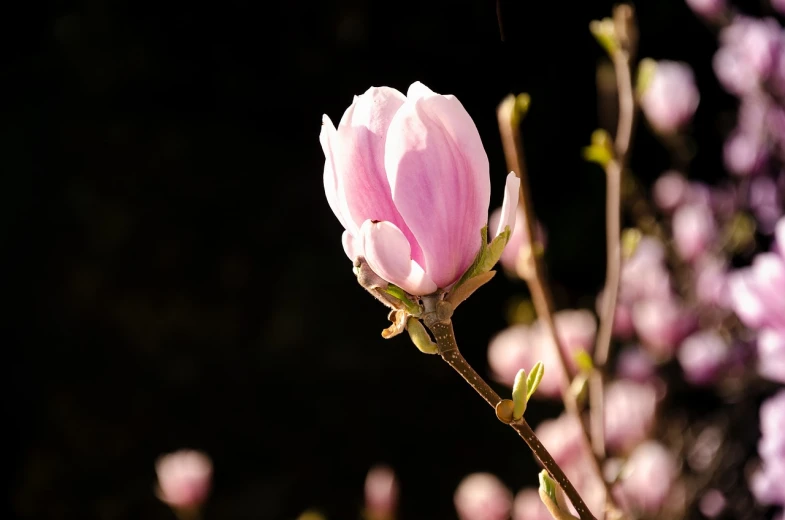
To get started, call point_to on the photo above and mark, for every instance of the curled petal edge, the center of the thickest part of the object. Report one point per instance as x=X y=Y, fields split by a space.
x=389 y=255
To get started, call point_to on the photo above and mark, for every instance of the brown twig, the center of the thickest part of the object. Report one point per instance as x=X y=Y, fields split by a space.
x=444 y=335
x=531 y=269
x=499 y=19
x=621 y=57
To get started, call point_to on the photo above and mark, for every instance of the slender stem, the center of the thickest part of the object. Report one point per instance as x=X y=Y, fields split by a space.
x=444 y=335
x=499 y=19
x=614 y=171
x=532 y=269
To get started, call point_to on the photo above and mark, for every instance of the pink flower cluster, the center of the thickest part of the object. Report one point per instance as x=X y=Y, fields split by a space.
x=768 y=482
x=758 y=295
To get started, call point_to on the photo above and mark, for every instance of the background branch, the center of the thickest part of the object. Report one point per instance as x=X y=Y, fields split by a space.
x=444 y=335
x=626 y=31
x=531 y=268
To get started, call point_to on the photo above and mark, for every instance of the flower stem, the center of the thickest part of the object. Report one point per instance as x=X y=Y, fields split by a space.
x=444 y=335
x=625 y=22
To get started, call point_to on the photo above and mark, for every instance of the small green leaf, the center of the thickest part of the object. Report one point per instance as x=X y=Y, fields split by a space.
x=522 y=103
x=548 y=485
x=646 y=70
x=580 y=388
x=630 y=238
x=533 y=381
x=600 y=150
x=420 y=337
x=604 y=32
x=459 y=295
x=494 y=251
x=396 y=292
x=553 y=498
x=519 y=395
x=584 y=361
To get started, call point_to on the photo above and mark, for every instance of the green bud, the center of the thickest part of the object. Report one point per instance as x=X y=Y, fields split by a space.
x=420 y=337
x=533 y=381
x=600 y=150
x=522 y=102
x=520 y=396
x=579 y=388
x=553 y=498
x=398 y=293
x=604 y=32
x=630 y=238
x=646 y=69
x=584 y=361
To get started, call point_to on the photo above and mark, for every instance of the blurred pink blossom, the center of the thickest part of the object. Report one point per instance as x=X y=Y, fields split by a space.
x=712 y=503
x=629 y=413
x=381 y=493
x=521 y=346
x=748 y=54
x=671 y=98
x=661 y=324
x=184 y=479
x=694 y=230
x=711 y=282
x=482 y=496
x=529 y=506
x=709 y=9
x=636 y=364
x=670 y=191
x=767 y=482
x=702 y=356
x=647 y=478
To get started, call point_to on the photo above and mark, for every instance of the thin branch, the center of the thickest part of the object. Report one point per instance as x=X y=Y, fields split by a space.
x=444 y=335
x=499 y=18
x=531 y=269
x=614 y=170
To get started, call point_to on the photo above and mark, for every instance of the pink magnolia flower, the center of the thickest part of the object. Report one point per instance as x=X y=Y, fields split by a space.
x=694 y=230
x=661 y=324
x=670 y=100
x=670 y=191
x=407 y=177
x=381 y=492
x=629 y=413
x=647 y=478
x=709 y=9
x=482 y=496
x=702 y=356
x=184 y=478
x=766 y=482
x=636 y=364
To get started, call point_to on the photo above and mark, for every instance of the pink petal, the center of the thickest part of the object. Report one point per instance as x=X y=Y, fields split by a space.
x=357 y=152
x=438 y=172
x=326 y=137
x=388 y=253
x=779 y=237
x=351 y=246
x=746 y=302
x=509 y=204
x=417 y=90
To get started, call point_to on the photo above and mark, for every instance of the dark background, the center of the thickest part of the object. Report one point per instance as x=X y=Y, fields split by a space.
x=174 y=276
